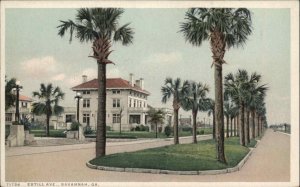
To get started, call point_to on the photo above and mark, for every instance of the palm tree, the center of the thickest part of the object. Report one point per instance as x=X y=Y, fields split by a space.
x=211 y=111
x=101 y=26
x=233 y=116
x=237 y=88
x=174 y=88
x=223 y=27
x=156 y=117
x=49 y=97
x=10 y=98
x=229 y=108
x=256 y=98
x=196 y=101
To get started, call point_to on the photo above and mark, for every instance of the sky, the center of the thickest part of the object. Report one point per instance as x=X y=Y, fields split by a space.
x=35 y=54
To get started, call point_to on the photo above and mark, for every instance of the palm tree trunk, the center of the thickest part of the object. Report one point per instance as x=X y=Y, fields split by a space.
x=238 y=125
x=253 y=124
x=48 y=125
x=101 y=113
x=234 y=128
x=258 y=133
x=176 y=138
x=242 y=120
x=219 y=113
x=227 y=126
x=231 y=130
x=156 y=130
x=194 y=127
x=247 y=130
x=214 y=125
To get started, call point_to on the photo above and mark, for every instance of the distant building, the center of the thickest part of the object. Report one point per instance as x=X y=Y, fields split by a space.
x=127 y=95
x=167 y=121
x=24 y=110
x=185 y=121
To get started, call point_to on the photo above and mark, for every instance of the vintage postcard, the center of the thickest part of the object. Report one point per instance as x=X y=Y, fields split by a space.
x=149 y=93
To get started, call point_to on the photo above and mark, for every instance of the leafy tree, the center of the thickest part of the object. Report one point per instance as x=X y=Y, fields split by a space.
x=49 y=97
x=196 y=101
x=10 y=98
x=222 y=27
x=176 y=90
x=156 y=117
x=101 y=26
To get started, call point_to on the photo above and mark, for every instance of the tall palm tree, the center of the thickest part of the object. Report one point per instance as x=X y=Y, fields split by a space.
x=176 y=90
x=233 y=125
x=156 y=117
x=196 y=101
x=48 y=105
x=10 y=98
x=100 y=26
x=222 y=27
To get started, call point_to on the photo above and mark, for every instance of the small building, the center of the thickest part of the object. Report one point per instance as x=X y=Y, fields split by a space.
x=126 y=102
x=167 y=121
x=24 y=110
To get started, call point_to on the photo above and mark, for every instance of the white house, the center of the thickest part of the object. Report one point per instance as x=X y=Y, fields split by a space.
x=127 y=95
x=24 y=110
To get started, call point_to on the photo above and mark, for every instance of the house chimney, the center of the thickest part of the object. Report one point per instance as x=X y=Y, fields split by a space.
x=137 y=82
x=84 y=78
x=142 y=83
x=131 y=79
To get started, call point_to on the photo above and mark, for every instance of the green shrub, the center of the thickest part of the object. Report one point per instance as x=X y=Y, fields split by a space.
x=88 y=130
x=75 y=126
x=141 y=128
x=7 y=131
x=168 y=130
x=108 y=128
x=201 y=132
x=186 y=129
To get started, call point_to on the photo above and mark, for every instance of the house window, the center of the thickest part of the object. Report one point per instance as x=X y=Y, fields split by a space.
x=8 y=117
x=116 y=91
x=70 y=118
x=144 y=104
x=116 y=103
x=24 y=104
x=86 y=92
x=86 y=118
x=116 y=118
x=129 y=102
x=134 y=101
x=86 y=103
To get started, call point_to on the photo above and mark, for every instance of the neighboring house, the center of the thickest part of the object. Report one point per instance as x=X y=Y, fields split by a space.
x=185 y=121
x=127 y=95
x=167 y=121
x=24 y=110
x=61 y=121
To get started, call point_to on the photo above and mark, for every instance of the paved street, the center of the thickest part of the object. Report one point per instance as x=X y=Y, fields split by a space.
x=270 y=161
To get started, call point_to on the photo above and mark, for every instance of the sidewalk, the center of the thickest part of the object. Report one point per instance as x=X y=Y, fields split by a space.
x=270 y=162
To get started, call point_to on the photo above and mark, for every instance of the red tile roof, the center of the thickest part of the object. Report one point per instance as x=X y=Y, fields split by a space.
x=110 y=83
x=24 y=98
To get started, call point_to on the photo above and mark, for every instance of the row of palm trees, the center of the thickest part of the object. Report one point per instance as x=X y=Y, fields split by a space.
x=224 y=28
x=243 y=95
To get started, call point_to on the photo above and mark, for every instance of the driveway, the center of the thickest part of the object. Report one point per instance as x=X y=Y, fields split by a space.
x=270 y=162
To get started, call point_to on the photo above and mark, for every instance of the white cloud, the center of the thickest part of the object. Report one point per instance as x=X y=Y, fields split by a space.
x=165 y=58
x=59 y=77
x=76 y=78
x=113 y=73
x=39 y=68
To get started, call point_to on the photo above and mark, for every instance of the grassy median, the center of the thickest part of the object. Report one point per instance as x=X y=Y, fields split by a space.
x=183 y=157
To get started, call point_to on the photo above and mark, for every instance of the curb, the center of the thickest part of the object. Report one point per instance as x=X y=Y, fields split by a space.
x=238 y=167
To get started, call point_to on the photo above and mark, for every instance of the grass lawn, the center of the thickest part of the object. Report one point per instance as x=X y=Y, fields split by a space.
x=53 y=133
x=182 y=157
x=145 y=134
